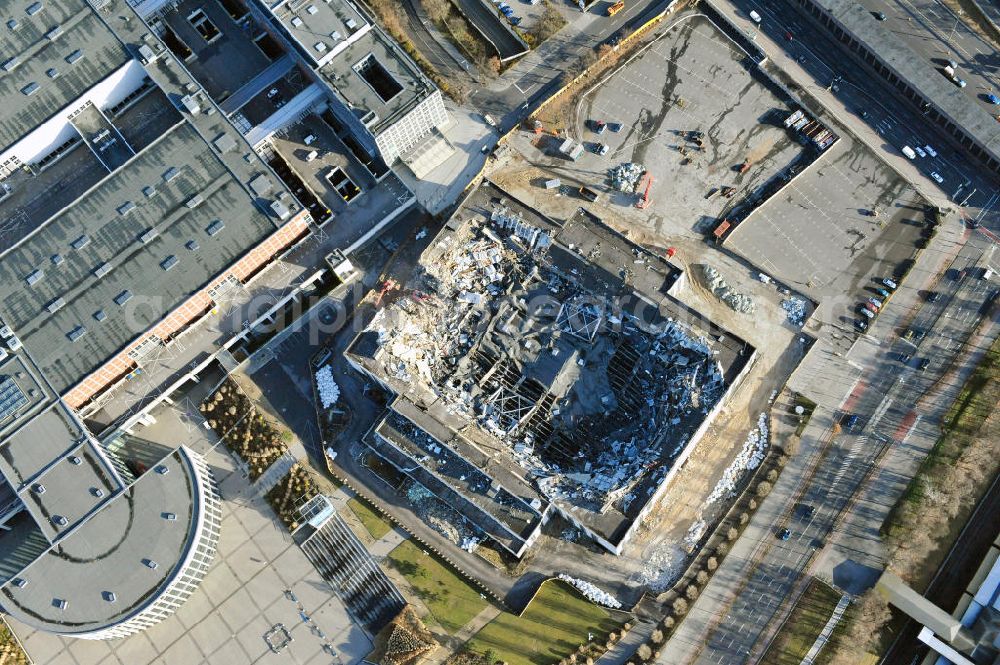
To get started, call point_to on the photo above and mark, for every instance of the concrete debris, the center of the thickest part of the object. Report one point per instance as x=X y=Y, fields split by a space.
x=329 y=391
x=750 y=456
x=625 y=177
x=739 y=302
x=663 y=568
x=470 y=544
x=796 y=310
x=442 y=518
x=592 y=403
x=694 y=534
x=591 y=592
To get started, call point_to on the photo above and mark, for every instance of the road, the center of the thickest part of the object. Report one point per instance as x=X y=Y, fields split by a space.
x=729 y=624
x=937 y=33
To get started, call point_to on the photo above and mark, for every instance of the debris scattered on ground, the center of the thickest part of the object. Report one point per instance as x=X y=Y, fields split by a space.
x=749 y=458
x=591 y=592
x=694 y=534
x=329 y=391
x=442 y=518
x=663 y=568
x=796 y=310
x=739 y=302
x=625 y=177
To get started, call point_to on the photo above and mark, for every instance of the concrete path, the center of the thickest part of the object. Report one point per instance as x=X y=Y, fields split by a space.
x=627 y=645
x=824 y=636
x=454 y=642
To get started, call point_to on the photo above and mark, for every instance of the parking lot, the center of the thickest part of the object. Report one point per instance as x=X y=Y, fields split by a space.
x=819 y=235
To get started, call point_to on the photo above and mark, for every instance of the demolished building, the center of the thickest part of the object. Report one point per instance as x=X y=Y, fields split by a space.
x=542 y=367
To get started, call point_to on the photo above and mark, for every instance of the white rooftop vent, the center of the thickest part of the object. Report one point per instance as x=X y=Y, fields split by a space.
x=14 y=344
x=296 y=21
x=12 y=24
x=11 y=64
x=351 y=24
x=168 y=262
x=192 y=245
x=162 y=470
x=53 y=33
x=99 y=315
x=76 y=333
x=56 y=305
x=52 y=73
x=215 y=227
x=169 y=517
x=312 y=9
x=102 y=270
x=149 y=191
x=80 y=242
x=126 y=208
x=171 y=173
x=336 y=36
x=38 y=488
x=109 y=596
x=74 y=56
x=5 y=332
x=149 y=563
x=59 y=603
x=57 y=259
x=123 y=297
x=195 y=201
x=319 y=46
x=34 y=277
x=148 y=235
x=97 y=491
x=33 y=8
x=30 y=89
x=19 y=582
x=75 y=460
x=59 y=520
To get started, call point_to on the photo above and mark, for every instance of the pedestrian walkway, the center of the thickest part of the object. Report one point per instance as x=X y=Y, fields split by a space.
x=628 y=644
x=453 y=643
x=824 y=636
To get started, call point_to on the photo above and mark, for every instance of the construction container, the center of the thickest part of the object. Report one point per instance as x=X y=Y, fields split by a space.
x=555 y=183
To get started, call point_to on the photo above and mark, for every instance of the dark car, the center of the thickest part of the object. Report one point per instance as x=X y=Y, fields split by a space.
x=924 y=364
x=905 y=358
x=861 y=324
x=852 y=421
x=806 y=511
x=784 y=534
x=933 y=296
x=880 y=16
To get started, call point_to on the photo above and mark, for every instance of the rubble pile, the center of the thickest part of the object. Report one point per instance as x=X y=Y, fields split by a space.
x=662 y=568
x=694 y=534
x=796 y=309
x=440 y=517
x=739 y=302
x=591 y=592
x=329 y=391
x=625 y=177
x=750 y=456
x=592 y=402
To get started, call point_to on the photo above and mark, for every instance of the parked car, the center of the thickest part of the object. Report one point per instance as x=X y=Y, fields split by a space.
x=890 y=284
x=871 y=308
x=600 y=126
x=783 y=534
x=924 y=364
x=852 y=421
x=920 y=151
x=880 y=16
x=937 y=177
x=905 y=358
x=861 y=324
x=602 y=149
x=868 y=314
x=933 y=296
x=930 y=151
x=876 y=302
x=993 y=99
x=882 y=292
x=615 y=126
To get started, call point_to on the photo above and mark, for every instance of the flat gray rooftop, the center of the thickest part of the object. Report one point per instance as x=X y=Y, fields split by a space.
x=320 y=26
x=46 y=70
x=917 y=72
x=106 y=554
x=74 y=486
x=399 y=85
x=124 y=254
x=36 y=444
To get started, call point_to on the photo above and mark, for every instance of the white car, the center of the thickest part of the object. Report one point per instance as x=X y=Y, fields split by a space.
x=920 y=151
x=937 y=177
x=930 y=151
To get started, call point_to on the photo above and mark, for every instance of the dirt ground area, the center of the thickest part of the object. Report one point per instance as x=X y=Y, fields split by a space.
x=689 y=80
